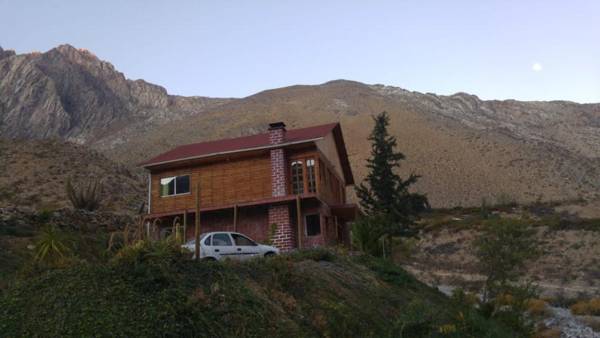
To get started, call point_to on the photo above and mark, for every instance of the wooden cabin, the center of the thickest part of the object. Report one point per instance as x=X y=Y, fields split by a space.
x=286 y=186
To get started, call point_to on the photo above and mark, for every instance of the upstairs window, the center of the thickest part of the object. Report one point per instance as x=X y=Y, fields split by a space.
x=310 y=173
x=175 y=185
x=297 y=178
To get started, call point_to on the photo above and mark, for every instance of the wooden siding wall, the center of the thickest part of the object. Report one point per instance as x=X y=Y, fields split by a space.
x=221 y=183
x=331 y=188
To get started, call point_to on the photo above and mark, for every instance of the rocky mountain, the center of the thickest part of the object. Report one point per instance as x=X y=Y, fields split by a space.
x=465 y=148
x=71 y=94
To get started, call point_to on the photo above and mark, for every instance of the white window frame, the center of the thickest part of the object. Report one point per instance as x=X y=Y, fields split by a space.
x=175 y=178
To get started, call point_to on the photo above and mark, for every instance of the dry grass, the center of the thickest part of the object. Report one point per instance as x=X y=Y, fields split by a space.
x=589 y=307
x=34 y=173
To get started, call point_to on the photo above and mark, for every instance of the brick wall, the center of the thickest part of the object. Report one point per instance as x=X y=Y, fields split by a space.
x=283 y=238
x=278 y=179
x=277 y=135
x=252 y=222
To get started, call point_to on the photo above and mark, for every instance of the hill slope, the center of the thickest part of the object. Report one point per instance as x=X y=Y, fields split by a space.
x=462 y=155
x=34 y=173
x=465 y=148
x=148 y=292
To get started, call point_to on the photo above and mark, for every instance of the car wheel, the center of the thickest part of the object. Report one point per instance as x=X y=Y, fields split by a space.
x=270 y=254
x=209 y=259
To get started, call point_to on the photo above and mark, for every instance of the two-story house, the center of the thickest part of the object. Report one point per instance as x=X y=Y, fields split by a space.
x=288 y=186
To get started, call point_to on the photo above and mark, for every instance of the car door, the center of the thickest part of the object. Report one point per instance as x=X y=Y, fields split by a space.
x=245 y=247
x=222 y=246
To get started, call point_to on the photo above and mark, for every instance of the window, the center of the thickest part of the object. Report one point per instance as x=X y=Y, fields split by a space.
x=175 y=185
x=207 y=241
x=242 y=240
x=297 y=178
x=310 y=171
x=221 y=240
x=313 y=225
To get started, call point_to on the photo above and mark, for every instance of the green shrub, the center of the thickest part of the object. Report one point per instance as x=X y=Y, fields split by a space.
x=53 y=247
x=367 y=233
x=149 y=290
x=86 y=197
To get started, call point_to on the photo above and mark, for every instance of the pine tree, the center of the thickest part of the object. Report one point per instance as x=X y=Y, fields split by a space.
x=384 y=192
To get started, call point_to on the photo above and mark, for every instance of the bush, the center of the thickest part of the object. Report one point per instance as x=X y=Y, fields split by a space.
x=53 y=247
x=586 y=308
x=85 y=198
x=503 y=249
x=367 y=233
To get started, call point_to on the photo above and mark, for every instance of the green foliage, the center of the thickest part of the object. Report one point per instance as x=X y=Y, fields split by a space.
x=503 y=249
x=53 y=247
x=367 y=232
x=272 y=232
x=149 y=290
x=86 y=197
x=384 y=191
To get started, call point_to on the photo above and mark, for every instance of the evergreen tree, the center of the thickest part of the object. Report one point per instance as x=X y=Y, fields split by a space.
x=384 y=192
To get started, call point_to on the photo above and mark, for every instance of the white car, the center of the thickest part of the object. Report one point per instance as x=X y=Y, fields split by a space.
x=221 y=245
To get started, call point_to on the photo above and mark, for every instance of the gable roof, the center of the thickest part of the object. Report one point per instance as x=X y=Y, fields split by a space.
x=254 y=142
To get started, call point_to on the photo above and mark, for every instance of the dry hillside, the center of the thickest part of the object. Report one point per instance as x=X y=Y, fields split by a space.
x=460 y=162
x=466 y=149
x=34 y=173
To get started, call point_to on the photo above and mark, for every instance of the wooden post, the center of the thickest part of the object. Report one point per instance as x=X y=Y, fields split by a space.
x=235 y=217
x=299 y=220
x=185 y=226
x=197 y=230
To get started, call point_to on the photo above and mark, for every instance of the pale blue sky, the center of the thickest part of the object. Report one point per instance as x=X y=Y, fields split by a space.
x=237 y=48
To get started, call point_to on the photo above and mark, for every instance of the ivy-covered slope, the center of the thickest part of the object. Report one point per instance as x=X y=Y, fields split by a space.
x=150 y=290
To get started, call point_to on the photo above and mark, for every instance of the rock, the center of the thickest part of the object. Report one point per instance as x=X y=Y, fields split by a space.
x=71 y=94
x=569 y=326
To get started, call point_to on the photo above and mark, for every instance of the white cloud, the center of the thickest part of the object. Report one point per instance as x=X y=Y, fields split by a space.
x=537 y=67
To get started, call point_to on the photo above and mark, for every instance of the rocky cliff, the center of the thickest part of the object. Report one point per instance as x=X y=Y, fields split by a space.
x=69 y=93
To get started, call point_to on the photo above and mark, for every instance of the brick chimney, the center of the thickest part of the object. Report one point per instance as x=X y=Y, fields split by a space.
x=278 y=181
x=279 y=214
x=276 y=132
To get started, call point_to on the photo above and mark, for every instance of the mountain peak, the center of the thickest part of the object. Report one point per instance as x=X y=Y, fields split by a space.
x=6 y=53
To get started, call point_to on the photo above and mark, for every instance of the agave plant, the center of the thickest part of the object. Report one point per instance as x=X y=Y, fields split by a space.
x=52 y=246
x=86 y=197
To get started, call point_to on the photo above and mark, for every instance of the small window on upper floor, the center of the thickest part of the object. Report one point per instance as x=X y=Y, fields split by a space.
x=297 y=178
x=175 y=185
x=310 y=173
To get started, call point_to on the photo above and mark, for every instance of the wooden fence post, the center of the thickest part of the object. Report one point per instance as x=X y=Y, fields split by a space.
x=235 y=217
x=185 y=226
x=299 y=220
x=197 y=230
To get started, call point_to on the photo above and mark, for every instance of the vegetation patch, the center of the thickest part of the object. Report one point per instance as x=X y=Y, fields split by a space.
x=150 y=289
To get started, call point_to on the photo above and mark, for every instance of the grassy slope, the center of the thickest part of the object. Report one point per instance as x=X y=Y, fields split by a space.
x=155 y=293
